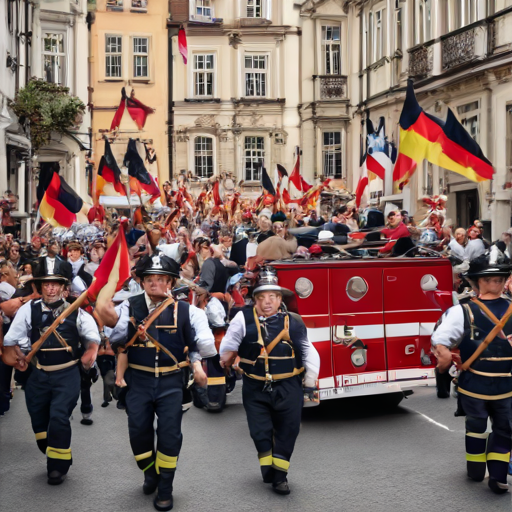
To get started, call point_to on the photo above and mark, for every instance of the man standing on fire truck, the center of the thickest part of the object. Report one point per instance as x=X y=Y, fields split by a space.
x=482 y=330
x=274 y=350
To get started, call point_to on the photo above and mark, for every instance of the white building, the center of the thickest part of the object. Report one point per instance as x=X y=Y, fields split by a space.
x=15 y=25
x=60 y=53
x=459 y=54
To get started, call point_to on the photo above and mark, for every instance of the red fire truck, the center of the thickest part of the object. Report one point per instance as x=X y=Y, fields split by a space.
x=370 y=320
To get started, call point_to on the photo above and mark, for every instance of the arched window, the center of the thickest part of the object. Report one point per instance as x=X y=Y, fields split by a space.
x=203 y=157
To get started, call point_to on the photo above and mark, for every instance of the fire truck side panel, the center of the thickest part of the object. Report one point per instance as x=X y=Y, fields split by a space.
x=314 y=310
x=357 y=313
x=409 y=318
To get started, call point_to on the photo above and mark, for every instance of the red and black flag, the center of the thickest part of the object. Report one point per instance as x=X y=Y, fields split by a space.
x=281 y=172
x=109 y=170
x=266 y=182
x=134 y=163
x=137 y=110
x=447 y=144
x=60 y=203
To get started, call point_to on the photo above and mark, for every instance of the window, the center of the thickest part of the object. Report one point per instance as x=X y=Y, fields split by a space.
x=331 y=154
x=114 y=5
x=254 y=156
x=203 y=156
x=203 y=74
x=54 y=58
x=140 y=57
x=140 y=5
x=254 y=8
x=398 y=26
x=423 y=27
x=470 y=118
x=469 y=12
x=203 y=9
x=378 y=35
x=331 y=48
x=256 y=75
x=113 y=56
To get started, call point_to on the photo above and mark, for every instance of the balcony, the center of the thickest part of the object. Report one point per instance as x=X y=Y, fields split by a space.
x=463 y=46
x=332 y=87
x=421 y=61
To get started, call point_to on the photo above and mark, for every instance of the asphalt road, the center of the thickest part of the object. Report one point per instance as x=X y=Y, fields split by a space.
x=350 y=456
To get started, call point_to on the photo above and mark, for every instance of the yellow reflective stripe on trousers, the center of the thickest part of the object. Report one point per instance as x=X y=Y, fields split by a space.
x=282 y=465
x=503 y=457
x=58 y=453
x=480 y=457
x=265 y=459
x=216 y=381
x=143 y=456
x=165 y=461
x=485 y=435
x=41 y=435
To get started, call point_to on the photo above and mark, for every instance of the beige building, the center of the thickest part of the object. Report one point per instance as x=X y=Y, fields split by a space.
x=129 y=49
x=236 y=102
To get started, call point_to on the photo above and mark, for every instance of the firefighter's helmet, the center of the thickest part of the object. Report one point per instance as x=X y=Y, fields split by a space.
x=267 y=282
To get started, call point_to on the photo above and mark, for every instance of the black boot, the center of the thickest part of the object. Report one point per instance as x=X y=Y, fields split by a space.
x=150 y=480
x=163 y=500
x=56 y=478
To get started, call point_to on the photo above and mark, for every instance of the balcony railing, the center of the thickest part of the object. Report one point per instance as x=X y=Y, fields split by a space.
x=421 y=61
x=332 y=87
x=460 y=48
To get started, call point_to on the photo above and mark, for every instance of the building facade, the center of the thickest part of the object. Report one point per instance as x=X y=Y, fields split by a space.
x=236 y=102
x=59 y=54
x=458 y=52
x=129 y=49
x=15 y=163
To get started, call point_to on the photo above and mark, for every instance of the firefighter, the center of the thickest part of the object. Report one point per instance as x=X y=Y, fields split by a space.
x=170 y=334
x=482 y=330
x=53 y=386
x=274 y=350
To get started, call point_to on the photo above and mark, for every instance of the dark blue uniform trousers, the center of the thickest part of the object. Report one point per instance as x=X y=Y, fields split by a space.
x=492 y=451
x=274 y=423
x=51 y=398
x=146 y=397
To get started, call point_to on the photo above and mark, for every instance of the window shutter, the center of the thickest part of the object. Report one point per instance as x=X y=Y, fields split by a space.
x=179 y=10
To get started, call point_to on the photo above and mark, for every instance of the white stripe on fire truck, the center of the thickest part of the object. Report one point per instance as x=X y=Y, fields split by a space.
x=376 y=331
x=319 y=334
x=326 y=383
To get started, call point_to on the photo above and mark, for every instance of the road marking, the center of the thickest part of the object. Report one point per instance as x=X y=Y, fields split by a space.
x=435 y=422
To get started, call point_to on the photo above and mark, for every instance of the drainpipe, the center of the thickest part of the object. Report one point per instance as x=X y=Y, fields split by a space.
x=172 y=31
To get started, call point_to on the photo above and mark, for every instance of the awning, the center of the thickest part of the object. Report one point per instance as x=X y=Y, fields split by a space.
x=20 y=141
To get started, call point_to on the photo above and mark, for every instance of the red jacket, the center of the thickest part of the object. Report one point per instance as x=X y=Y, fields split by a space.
x=394 y=234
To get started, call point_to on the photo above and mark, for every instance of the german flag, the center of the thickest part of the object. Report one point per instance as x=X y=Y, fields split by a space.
x=60 y=203
x=109 y=170
x=113 y=271
x=447 y=144
x=140 y=178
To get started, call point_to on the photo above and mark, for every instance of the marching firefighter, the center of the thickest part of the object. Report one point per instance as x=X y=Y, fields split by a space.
x=160 y=338
x=274 y=351
x=482 y=330
x=70 y=338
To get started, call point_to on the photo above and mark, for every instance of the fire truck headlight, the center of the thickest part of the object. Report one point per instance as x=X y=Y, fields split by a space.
x=358 y=357
x=303 y=287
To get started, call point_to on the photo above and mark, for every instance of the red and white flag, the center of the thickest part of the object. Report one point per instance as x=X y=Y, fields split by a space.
x=182 y=44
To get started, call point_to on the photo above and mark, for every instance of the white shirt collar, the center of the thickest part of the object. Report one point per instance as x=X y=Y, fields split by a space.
x=150 y=304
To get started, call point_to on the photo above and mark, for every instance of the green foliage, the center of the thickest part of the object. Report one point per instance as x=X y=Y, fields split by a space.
x=47 y=108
